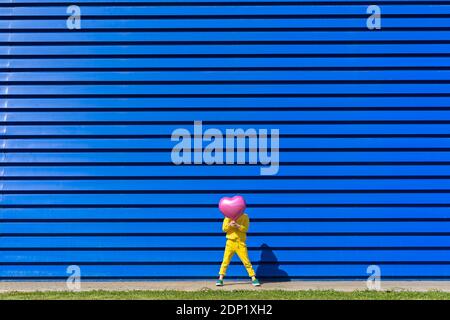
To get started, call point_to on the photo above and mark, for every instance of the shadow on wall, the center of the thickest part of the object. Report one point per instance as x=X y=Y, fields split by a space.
x=269 y=267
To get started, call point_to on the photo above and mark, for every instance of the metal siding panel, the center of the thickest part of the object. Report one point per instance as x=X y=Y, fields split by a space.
x=86 y=175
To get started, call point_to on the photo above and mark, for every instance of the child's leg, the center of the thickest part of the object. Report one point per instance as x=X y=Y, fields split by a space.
x=243 y=255
x=227 y=255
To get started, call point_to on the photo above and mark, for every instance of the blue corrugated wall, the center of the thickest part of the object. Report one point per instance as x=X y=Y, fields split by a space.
x=364 y=118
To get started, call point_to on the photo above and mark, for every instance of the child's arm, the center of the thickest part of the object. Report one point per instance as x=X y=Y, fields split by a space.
x=225 y=225
x=245 y=225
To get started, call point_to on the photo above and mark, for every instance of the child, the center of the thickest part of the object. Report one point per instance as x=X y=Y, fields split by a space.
x=236 y=236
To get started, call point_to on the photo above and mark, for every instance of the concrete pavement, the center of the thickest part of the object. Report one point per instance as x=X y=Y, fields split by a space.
x=229 y=285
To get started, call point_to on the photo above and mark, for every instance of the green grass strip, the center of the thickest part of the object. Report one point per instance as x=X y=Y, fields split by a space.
x=209 y=294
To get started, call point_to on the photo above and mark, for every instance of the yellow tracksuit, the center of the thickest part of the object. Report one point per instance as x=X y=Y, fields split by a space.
x=236 y=244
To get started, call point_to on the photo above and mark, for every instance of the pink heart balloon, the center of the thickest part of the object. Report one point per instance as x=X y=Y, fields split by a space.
x=233 y=207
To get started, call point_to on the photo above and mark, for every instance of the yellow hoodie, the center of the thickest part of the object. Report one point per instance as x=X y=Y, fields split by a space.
x=235 y=233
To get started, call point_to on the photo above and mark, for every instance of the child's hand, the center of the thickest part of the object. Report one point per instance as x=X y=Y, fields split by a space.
x=234 y=224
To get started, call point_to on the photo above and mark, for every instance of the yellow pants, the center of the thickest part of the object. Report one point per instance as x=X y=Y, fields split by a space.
x=232 y=247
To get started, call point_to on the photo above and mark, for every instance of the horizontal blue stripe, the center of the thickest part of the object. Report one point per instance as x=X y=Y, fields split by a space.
x=388 y=22
x=228 y=62
x=194 y=242
x=229 y=90
x=302 y=36
x=229 y=10
x=230 y=115
x=372 y=102
x=168 y=199
x=118 y=142
x=61 y=77
x=242 y=49
x=338 y=214
x=138 y=157
x=260 y=256
x=127 y=128
x=230 y=171
x=217 y=2
x=358 y=102
x=200 y=227
x=227 y=115
x=187 y=185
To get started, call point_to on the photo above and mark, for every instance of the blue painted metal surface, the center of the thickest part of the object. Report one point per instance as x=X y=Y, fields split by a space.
x=86 y=118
